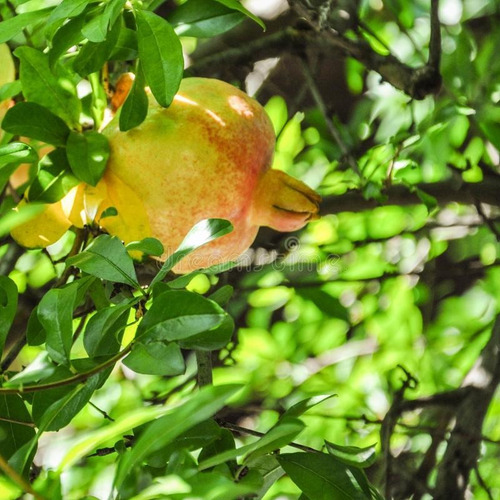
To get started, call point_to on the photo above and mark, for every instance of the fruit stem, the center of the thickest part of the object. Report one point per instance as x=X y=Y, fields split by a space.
x=204 y=364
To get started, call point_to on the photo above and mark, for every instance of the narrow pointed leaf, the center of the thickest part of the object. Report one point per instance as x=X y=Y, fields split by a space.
x=88 y=155
x=203 y=232
x=8 y=307
x=106 y=258
x=352 y=455
x=32 y=120
x=200 y=407
x=53 y=180
x=135 y=108
x=322 y=477
x=40 y=85
x=15 y=25
x=156 y=358
x=160 y=53
x=176 y=315
x=236 y=5
x=55 y=313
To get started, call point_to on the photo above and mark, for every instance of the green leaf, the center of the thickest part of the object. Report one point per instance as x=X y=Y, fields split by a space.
x=269 y=469
x=156 y=358
x=203 y=19
x=104 y=330
x=160 y=53
x=201 y=406
x=135 y=108
x=352 y=455
x=56 y=408
x=107 y=259
x=203 y=232
x=176 y=315
x=68 y=35
x=197 y=437
x=88 y=154
x=35 y=334
x=16 y=153
x=236 y=5
x=41 y=367
x=277 y=437
x=301 y=407
x=427 y=199
x=40 y=85
x=67 y=9
x=113 y=431
x=109 y=212
x=16 y=217
x=148 y=246
x=93 y=55
x=211 y=340
x=97 y=29
x=277 y=110
x=55 y=313
x=125 y=48
x=330 y=306
x=11 y=155
x=33 y=120
x=8 y=307
x=322 y=477
x=13 y=435
x=53 y=180
x=222 y=295
x=225 y=442
x=10 y=90
x=15 y=25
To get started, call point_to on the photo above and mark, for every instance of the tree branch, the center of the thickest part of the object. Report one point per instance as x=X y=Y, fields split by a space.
x=461 y=454
x=416 y=82
x=445 y=192
x=79 y=378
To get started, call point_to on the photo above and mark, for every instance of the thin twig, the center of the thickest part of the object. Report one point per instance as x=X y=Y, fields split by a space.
x=13 y=353
x=482 y=483
x=102 y=412
x=250 y=432
x=79 y=328
x=487 y=220
x=76 y=379
x=17 y=422
x=389 y=424
x=416 y=82
x=318 y=99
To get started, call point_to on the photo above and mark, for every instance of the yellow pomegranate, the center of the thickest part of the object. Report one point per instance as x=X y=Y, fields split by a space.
x=207 y=155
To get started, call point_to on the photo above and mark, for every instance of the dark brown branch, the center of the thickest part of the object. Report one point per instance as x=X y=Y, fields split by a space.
x=493 y=228
x=445 y=192
x=449 y=398
x=316 y=94
x=461 y=454
x=250 y=432
x=416 y=82
x=13 y=353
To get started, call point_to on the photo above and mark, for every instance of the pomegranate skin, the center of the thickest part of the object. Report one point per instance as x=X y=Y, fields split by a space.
x=200 y=158
x=206 y=156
